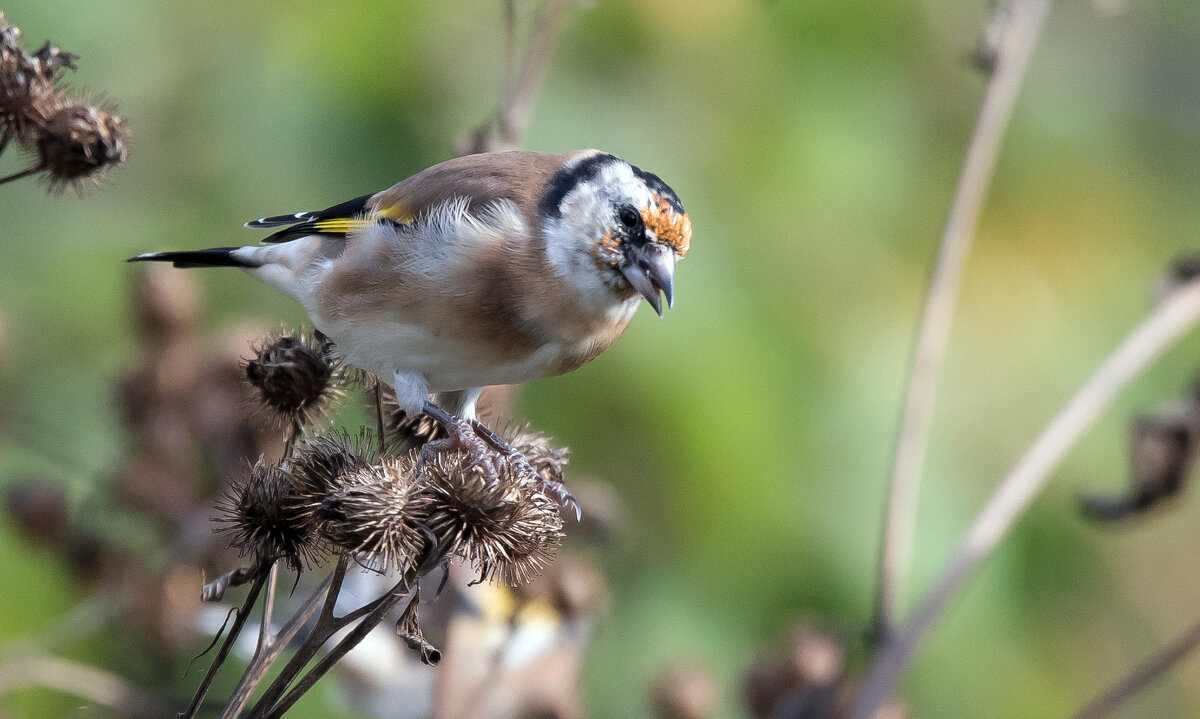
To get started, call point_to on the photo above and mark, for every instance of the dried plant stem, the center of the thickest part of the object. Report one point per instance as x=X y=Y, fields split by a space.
x=239 y=621
x=275 y=645
x=378 y=610
x=94 y=685
x=289 y=686
x=518 y=111
x=23 y=173
x=1020 y=36
x=506 y=126
x=381 y=438
x=1143 y=674
x=264 y=625
x=1170 y=320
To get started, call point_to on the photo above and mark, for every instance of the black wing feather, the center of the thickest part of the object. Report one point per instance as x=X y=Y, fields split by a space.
x=302 y=224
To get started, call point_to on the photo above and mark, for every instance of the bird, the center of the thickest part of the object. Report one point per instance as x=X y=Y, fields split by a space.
x=485 y=269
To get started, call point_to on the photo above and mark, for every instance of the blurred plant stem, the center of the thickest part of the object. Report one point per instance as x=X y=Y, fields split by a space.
x=273 y=646
x=506 y=126
x=1143 y=674
x=1170 y=320
x=1021 y=23
x=86 y=682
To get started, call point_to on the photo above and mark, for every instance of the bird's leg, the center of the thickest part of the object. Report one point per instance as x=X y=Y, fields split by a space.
x=557 y=490
x=460 y=437
x=474 y=437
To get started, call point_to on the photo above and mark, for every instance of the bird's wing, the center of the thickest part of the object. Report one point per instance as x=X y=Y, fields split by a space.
x=483 y=179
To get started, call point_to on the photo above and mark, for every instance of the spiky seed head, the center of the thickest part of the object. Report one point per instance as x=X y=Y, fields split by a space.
x=508 y=528
x=295 y=375
x=79 y=142
x=321 y=462
x=365 y=514
x=266 y=519
x=49 y=61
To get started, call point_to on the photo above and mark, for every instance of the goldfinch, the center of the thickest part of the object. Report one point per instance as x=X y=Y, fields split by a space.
x=496 y=268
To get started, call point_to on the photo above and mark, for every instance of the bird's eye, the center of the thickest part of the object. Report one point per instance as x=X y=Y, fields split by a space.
x=629 y=216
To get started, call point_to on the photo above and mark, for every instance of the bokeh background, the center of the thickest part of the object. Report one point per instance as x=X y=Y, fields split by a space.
x=816 y=145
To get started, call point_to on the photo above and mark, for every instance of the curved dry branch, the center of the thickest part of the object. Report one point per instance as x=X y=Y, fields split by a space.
x=1169 y=321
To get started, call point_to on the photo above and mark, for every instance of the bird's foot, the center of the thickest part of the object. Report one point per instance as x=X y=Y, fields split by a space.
x=491 y=452
x=460 y=437
x=553 y=488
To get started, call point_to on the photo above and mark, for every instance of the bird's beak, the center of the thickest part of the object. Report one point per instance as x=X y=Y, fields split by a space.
x=651 y=269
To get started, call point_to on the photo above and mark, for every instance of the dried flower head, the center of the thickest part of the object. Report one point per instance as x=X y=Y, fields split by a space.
x=22 y=85
x=79 y=142
x=266 y=519
x=321 y=463
x=365 y=513
x=508 y=528
x=295 y=375
x=73 y=141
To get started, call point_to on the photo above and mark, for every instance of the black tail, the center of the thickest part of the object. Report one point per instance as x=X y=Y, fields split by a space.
x=215 y=257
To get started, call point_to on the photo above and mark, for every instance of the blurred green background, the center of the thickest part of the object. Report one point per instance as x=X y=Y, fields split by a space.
x=816 y=145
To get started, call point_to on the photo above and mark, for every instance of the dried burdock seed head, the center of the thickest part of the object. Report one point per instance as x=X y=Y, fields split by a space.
x=50 y=59
x=406 y=431
x=365 y=514
x=507 y=527
x=684 y=691
x=322 y=463
x=78 y=143
x=266 y=519
x=295 y=376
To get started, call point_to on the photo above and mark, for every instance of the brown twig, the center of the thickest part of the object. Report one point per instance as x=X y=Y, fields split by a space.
x=262 y=662
x=1169 y=321
x=508 y=123
x=238 y=622
x=1020 y=35
x=1142 y=675
x=289 y=686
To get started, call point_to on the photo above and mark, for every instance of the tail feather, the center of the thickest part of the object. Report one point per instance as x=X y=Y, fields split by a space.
x=214 y=257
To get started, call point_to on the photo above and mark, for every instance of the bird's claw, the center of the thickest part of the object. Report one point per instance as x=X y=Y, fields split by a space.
x=473 y=438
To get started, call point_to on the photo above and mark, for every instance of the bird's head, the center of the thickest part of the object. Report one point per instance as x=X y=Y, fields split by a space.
x=614 y=230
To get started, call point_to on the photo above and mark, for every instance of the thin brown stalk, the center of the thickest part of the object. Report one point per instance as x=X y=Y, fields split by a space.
x=379 y=611
x=236 y=629
x=510 y=120
x=307 y=649
x=517 y=113
x=23 y=173
x=1143 y=675
x=1021 y=31
x=381 y=439
x=264 y=625
x=262 y=662
x=290 y=685
x=1165 y=325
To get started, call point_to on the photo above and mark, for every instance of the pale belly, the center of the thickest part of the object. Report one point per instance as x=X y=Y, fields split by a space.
x=444 y=363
